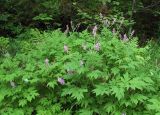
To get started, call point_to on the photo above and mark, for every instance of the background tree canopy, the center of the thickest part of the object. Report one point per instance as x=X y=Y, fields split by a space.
x=17 y=15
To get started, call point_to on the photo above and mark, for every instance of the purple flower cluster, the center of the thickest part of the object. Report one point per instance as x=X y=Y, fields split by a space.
x=125 y=38
x=97 y=46
x=61 y=81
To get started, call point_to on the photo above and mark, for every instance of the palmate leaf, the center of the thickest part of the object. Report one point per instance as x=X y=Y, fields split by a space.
x=94 y=74
x=126 y=102
x=110 y=107
x=52 y=84
x=45 y=101
x=30 y=94
x=86 y=102
x=118 y=91
x=101 y=89
x=3 y=93
x=18 y=112
x=56 y=108
x=85 y=112
x=22 y=102
x=157 y=113
x=75 y=92
x=154 y=104
x=115 y=70
x=12 y=111
x=137 y=83
x=137 y=98
x=79 y=95
x=66 y=112
x=43 y=17
x=93 y=59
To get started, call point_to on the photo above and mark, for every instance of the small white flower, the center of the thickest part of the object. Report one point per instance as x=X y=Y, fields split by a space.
x=81 y=62
x=101 y=16
x=132 y=33
x=61 y=81
x=12 y=84
x=123 y=114
x=46 y=61
x=94 y=32
x=65 y=48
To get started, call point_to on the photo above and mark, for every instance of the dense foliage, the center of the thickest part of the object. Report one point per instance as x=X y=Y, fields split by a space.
x=79 y=57
x=80 y=74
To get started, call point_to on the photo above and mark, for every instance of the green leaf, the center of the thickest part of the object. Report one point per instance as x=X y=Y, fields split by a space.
x=43 y=17
x=94 y=74
x=137 y=83
x=30 y=94
x=137 y=98
x=115 y=70
x=75 y=92
x=101 y=89
x=110 y=107
x=118 y=91
x=22 y=102
x=154 y=104
x=52 y=84
x=85 y=112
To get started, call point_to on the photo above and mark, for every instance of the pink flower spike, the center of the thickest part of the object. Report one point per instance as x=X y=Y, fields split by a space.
x=101 y=16
x=66 y=48
x=120 y=36
x=46 y=61
x=114 y=30
x=106 y=23
x=132 y=33
x=97 y=46
x=61 y=81
x=125 y=38
x=94 y=32
x=67 y=29
x=114 y=21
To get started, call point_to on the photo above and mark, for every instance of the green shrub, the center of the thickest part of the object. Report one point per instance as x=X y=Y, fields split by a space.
x=52 y=74
x=4 y=44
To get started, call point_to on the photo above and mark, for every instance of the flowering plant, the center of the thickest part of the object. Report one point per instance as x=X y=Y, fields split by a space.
x=52 y=74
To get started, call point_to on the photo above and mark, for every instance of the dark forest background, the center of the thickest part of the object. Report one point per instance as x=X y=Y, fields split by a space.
x=141 y=15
